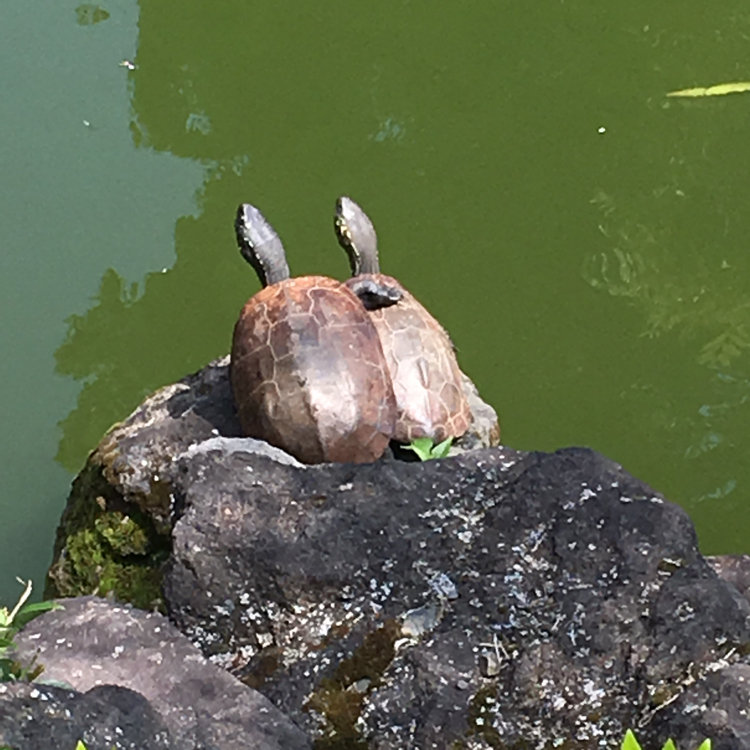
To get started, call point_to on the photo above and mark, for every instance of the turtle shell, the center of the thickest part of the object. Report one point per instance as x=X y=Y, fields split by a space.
x=309 y=375
x=425 y=374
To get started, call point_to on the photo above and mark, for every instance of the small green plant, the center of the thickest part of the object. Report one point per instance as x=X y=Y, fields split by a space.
x=426 y=449
x=631 y=743
x=10 y=623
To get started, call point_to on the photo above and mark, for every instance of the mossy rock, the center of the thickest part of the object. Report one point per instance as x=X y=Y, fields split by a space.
x=106 y=546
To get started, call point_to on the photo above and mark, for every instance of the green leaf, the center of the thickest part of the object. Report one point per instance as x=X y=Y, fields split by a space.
x=80 y=745
x=10 y=623
x=422 y=447
x=630 y=742
x=441 y=449
x=426 y=449
x=35 y=607
x=30 y=611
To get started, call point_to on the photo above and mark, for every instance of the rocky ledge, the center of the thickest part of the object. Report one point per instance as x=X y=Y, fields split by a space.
x=127 y=678
x=494 y=599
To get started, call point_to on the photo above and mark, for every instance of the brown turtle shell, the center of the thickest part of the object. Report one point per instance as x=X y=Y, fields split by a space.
x=423 y=367
x=309 y=375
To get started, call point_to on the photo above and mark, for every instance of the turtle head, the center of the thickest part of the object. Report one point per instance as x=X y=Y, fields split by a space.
x=260 y=245
x=356 y=235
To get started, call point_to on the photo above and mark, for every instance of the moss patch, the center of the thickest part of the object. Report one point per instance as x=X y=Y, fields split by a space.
x=106 y=545
x=339 y=700
x=481 y=710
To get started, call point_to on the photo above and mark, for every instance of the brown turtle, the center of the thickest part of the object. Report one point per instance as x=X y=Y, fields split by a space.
x=307 y=370
x=425 y=374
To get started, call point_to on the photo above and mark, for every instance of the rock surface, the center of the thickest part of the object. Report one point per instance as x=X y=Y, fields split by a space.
x=735 y=569
x=494 y=599
x=44 y=717
x=168 y=691
x=119 y=542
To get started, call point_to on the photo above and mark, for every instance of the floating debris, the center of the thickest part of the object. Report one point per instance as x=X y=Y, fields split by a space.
x=721 y=89
x=198 y=122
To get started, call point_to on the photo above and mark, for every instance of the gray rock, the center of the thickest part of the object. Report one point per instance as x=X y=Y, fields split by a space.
x=484 y=428
x=573 y=602
x=735 y=569
x=93 y=643
x=494 y=598
x=44 y=717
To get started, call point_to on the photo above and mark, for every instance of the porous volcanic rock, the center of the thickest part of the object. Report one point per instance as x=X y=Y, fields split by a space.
x=495 y=599
x=735 y=569
x=164 y=687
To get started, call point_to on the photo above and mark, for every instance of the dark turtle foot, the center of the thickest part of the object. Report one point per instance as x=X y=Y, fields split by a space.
x=374 y=294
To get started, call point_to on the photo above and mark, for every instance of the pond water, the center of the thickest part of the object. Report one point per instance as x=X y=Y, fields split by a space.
x=583 y=236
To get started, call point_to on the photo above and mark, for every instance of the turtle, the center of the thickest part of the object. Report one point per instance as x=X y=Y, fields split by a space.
x=421 y=359
x=307 y=370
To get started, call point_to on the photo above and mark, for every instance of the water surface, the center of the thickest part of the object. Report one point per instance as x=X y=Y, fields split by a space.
x=582 y=236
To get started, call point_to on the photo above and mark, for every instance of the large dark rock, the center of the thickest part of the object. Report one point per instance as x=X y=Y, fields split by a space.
x=494 y=599
x=179 y=696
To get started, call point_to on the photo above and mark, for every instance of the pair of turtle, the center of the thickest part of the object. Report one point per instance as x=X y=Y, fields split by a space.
x=332 y=371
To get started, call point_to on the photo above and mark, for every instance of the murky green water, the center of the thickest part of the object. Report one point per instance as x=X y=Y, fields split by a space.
x=583 y=237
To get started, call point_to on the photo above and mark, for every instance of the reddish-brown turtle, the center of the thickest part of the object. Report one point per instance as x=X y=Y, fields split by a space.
x=307 y=370
x=425 y=374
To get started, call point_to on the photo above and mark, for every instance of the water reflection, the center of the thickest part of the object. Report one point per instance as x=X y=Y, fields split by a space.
x=136 y=338
x=696 y=295
x=87 y=14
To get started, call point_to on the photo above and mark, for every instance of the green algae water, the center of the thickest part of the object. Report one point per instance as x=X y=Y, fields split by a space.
x=582 y=236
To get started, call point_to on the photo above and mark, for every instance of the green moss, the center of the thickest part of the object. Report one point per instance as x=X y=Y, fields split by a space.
x=341 y=708
x=743 y=649
x=481 y=711
x=372 y=658
x=337 y=698
x=94 y=566
x=122 y=533
x=106 y=545
x=262 y=666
